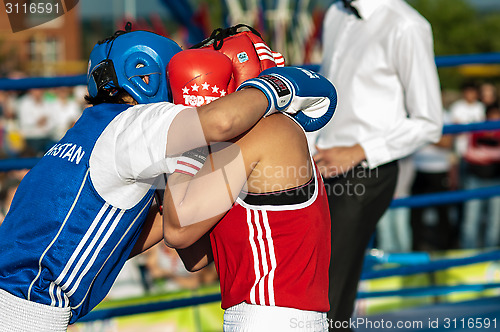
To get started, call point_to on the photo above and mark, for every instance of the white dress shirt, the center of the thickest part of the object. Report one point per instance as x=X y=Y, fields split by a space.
x=383 y=67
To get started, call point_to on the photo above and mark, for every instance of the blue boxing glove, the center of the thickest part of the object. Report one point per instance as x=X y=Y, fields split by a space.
x=309 y=97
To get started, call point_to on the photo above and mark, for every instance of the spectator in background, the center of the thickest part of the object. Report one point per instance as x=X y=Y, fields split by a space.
x=433 y=164
x=9 y=188
x=488 y=94
x=466 y=110
x=35 y=121
x=12 y=140
x=79 y=93
x=394 y=230
x=483 y=165
x=3 y=106
x=379 y=54
x=65 y=111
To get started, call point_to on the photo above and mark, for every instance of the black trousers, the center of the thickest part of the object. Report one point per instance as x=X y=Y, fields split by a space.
x=443 y=236
x=357 y=201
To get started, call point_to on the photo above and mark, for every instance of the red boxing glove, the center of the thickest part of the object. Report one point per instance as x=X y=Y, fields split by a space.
x=198 y=76
x=248 y=52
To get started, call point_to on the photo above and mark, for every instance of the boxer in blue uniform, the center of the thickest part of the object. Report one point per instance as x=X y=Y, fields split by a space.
x=79 y=211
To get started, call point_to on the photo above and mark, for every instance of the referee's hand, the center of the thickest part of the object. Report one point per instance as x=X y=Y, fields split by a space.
x=338 y=160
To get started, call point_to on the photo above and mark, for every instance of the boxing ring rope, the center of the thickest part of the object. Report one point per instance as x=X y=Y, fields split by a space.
x=17 y=163
x=444 y=198
x=429 y=290
x=449 y=60
x=410 y=264
x=102 y=314
x=42 y=82
x=431 y=266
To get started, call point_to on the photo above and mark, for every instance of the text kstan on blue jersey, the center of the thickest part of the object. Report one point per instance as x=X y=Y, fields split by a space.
x=70 y=151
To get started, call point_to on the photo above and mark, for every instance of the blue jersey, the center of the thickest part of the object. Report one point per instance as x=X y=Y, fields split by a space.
x=78 y=212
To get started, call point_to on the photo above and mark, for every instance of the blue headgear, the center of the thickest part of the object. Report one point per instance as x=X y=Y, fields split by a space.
x=122 y=60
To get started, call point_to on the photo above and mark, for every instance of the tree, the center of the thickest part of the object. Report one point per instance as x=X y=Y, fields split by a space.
x=459 y=29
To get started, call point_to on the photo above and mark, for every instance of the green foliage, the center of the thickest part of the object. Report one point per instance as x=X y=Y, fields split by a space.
x=454 y=24
x=459 y=29
x=491 y=33
x=215 y=8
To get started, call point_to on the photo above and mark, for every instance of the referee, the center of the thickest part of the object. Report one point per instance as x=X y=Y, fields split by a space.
x=379 y=54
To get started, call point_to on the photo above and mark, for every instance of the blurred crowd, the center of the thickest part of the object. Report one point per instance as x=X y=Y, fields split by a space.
x=456 y=162
x=32 y=121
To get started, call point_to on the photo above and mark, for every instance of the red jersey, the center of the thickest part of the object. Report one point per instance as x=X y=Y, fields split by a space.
x=273 y=249
x=484 y=148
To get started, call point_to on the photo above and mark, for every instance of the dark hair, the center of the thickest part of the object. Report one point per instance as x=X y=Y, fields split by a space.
x=105 y=98
x=469 y=85
x=493 y=108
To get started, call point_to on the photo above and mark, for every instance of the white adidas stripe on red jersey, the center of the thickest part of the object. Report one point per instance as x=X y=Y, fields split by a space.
x=264 y=249
x=253 y=245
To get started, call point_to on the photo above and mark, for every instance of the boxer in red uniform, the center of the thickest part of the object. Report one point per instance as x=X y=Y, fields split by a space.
x=272 y=249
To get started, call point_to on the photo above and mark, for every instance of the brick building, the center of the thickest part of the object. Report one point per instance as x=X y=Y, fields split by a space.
x=51 y=48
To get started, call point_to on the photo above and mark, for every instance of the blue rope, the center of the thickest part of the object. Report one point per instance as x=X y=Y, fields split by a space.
x=18 y=163
x=411 y=258
x=42 y=82
x=446 y=60
x=446 y=197
x=427 y=291
x=431 y=266
x=467 y=59
x=462 y=128
x=149 y=307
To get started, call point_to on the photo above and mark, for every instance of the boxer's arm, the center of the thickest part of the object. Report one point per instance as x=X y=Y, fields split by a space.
x=219 y=121
x=232 y=115
x=151 y=234
x=194 y=257
x=193 y=205
x=198 y=255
